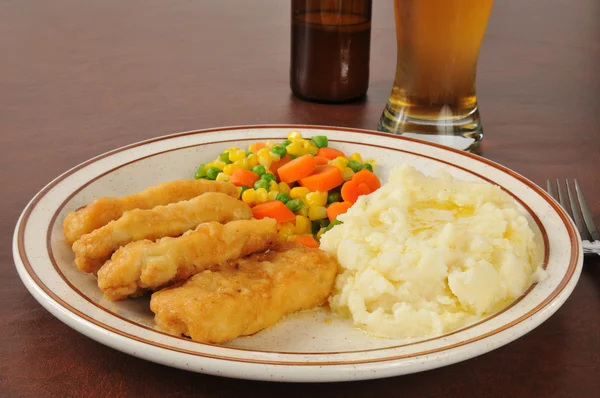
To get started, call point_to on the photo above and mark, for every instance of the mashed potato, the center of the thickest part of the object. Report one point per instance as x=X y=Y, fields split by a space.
x=425 y=255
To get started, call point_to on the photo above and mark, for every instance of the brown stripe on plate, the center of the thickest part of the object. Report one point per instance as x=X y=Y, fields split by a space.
x=94 y=303
x=570 y=271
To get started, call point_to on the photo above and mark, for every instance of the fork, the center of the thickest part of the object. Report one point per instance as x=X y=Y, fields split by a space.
x=579 y=211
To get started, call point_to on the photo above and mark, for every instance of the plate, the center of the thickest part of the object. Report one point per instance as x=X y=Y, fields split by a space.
x=312 y=346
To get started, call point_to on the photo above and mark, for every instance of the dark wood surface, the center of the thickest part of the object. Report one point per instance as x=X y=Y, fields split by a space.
x=78 y=78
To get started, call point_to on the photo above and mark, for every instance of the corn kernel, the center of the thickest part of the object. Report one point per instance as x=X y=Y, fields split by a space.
x=219 y=164
x=294 y=135
x=295 y=148
x=273 y=187
x=272 y=195
x=230 y=168
x=287 y=231
x=261 y=195
x=309 y=147
x=264 y=157
x=340 y=162
x=343 y=160
x=298 y=192
x=242 y=163
x=252 y=148
x=317 y=213
x=357 y=157
x=222 y=177
x=347 y=173
x=284 y=187
x=269 y=144
x=372 y=162
x=303 y=225
x=249 y=196
x=315 y=199
x=252 y=160
x=303 y=212
x=237 y=155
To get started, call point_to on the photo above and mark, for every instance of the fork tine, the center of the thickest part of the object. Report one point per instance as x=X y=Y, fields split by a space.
x=576 y=213
x=587 y=214
x=561 y=198
x=549 y=188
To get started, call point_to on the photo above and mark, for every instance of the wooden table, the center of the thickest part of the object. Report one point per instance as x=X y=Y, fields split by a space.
x=79 y=78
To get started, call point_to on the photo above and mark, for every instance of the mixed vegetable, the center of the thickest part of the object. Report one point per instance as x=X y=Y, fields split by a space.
x=302 y=183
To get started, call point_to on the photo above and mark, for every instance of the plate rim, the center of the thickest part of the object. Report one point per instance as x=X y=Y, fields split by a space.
x=570 y=278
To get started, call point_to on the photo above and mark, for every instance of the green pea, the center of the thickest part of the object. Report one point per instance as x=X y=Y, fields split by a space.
x=279 y=150
x=295 y=205
x=355 y=165
x=259 y=169
x=333 y=224
x=292 y=157
x=334 y=197
x=261 y=184
x=248 y=153
x=225 y=157
x=200 y=173
x=367 y=166
x=320 y=141
x=286 y=142
x=212 y=173
x=283 y=197
x=268 y=177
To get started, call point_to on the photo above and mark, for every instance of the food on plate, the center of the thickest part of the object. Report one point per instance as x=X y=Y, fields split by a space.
x=246 y=295
x=234 y=250
x=104 y=210
x=422 y=255
x=93 y=249
x=151 y=265
x=303 y=183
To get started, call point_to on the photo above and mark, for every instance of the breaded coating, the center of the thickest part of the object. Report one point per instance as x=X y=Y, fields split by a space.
x=104 y=210
x=153 y=265
x=246 y=295
x=93 y=249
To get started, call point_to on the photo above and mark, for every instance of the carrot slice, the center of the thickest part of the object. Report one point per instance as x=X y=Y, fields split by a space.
x=350 y=192
x=324 y=178
x=366 y=177
x=320 y=160
x=259 y=145
x=307 y=241
x=363 y=189
x=244 y=177
x=329 y=153
x=298 y=168
x=273 y=209
x=335 y=209
x=281 y=162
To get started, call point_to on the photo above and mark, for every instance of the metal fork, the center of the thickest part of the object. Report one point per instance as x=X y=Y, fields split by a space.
x=579 y=211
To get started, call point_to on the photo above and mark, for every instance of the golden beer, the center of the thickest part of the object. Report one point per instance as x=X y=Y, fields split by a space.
x=434 y=88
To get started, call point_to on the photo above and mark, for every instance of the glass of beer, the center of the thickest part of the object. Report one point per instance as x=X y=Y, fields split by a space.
x=433 y=97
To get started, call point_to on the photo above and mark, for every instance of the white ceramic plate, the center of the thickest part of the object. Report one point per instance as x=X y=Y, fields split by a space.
x=310 y=346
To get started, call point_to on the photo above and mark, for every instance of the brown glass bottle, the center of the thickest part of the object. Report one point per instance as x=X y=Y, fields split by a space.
x=331 y=42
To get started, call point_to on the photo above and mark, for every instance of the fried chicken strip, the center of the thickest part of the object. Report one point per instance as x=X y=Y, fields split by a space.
x=104 y=210
x=152 y=265
x=93 y=249
x=246 y=295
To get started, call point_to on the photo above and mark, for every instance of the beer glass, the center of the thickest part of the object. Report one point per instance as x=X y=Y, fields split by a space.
x=433 y=96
